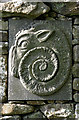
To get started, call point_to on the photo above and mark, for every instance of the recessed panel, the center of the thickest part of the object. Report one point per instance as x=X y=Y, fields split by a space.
x=40 y=60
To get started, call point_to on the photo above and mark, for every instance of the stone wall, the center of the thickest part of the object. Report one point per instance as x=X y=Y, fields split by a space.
x=47 y=109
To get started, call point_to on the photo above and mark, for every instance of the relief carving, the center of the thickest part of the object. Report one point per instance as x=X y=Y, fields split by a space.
x=34 y=63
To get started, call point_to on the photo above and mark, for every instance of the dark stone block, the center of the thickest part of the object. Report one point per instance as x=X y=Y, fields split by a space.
x=65 y=8
x=34 y=115
x=40 y=60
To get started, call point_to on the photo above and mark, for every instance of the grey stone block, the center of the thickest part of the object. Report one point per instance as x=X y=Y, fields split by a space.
x=58 y=111
x=75 y=42
x=3 y=78
x=3 y=36
x=76 y=21
x=16 y=109
x=76 y=84
x=24 y=9
x=47 y=74
x=3 y=25
x=77 y=111
x=76 y=97
x=75 y=70
x=76 y=53
x=76 y=31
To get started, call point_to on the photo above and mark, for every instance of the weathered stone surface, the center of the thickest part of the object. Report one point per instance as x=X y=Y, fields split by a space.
x=77 y=111
x=3 y=36
x=10 y=118
x=75 y=42
x=76 y=84
x=24 y=9
x=45 y=60
x=50 y=101
x=61 y=17
x=35 y=116
x=3 y=77
x=3 y=25
x=76 y=21
x=75 y=70
x=76 y=31
x=14 y=109
x=76 y=97
x=3 y=48
x=65 y=8
x=35 y=102
x=76 y=53
x=3 y=96
x=61 y=102
x=58 y=110
x=20 y=102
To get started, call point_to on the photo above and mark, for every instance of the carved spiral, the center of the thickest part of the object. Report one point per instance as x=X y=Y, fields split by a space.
x=37 y=67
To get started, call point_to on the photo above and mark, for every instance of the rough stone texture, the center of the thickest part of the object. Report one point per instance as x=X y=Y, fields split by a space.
x=75 y=70
x=76 y=21
x=61 y=102
x=58 y=110
x=3 y=25
x=77 y=111
x=76 y=32
x=3 y=48
x=76 y=97
x=75 y=42
x=3 y=77
x=65 y=8
x=35 y=116
x=11 y=118
x=76 y=53
x=14 y=109
x=35 y=102
x=50 y=101
x=76 y=84
x=24 y=9
x=3 y=36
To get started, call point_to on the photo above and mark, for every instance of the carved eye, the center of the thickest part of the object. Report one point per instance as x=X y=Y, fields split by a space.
x=23 y=44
